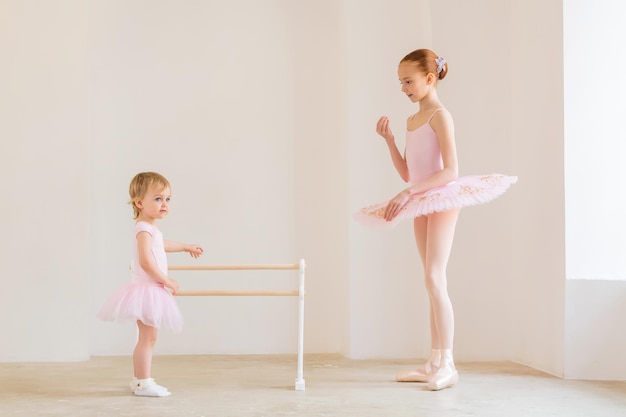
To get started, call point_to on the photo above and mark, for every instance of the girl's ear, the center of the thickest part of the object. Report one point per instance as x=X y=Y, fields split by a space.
x=138 y=203
x=430 y=78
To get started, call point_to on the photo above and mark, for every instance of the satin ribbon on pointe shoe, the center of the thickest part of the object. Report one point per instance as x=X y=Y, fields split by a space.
x=445 y=377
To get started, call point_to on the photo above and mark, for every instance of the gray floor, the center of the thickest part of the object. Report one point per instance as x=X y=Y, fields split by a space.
x=264 y=386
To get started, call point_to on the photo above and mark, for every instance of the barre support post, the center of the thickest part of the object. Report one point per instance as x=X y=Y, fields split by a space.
x=300 y=385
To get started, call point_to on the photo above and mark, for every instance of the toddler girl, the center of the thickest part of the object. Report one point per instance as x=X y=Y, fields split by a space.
x=148 y=298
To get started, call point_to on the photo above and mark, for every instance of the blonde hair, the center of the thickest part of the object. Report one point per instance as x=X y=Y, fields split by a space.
x=141 y=183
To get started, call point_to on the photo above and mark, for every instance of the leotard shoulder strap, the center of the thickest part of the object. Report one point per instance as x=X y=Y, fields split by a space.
x=433 y=114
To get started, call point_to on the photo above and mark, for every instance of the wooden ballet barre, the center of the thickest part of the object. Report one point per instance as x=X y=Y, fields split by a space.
x=300 y=293
x=280 y=293
x=257 y=267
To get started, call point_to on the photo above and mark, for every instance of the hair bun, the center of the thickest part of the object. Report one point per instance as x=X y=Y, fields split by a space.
x=442 y=67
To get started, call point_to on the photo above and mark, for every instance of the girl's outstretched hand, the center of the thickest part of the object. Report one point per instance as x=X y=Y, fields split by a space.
x=194 y=250
x=383 y=129
x=395 y=205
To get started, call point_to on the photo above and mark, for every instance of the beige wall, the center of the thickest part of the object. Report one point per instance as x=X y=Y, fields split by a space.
x=204 y=93
x=43 y=163
x=594 y=336
x=388 y=305
x=538 y=265
x=477 y=91
x=320 y=203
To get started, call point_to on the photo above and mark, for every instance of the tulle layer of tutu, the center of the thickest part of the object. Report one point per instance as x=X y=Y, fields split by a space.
x=149 y=302
x=465 y=191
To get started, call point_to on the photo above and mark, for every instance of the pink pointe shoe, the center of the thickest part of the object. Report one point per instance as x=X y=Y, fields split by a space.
x=422 y=373
x=445 y=377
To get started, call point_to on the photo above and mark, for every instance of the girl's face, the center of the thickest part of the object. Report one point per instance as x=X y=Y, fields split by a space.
x=154 y=205
x=415 y=84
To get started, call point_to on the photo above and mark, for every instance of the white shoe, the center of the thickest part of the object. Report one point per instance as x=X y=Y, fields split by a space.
x=148 y=388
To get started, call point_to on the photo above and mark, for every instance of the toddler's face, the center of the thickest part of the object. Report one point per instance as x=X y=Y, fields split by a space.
x=155 y=204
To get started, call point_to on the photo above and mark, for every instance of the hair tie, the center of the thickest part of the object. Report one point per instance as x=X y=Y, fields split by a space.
x=441 y=64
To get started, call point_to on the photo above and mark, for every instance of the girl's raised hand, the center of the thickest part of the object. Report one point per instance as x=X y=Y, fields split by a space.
x=194 y=250
x=382 y=128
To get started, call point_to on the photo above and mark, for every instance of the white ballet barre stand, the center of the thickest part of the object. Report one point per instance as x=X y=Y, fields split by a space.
x=300 y=385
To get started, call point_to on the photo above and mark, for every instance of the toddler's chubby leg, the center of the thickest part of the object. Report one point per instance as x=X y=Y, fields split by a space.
x=142 y=384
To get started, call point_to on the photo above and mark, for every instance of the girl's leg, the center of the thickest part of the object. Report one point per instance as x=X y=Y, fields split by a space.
x=142 y=355
x=440 y=235
x=439 y=238
x=422 y=373
x=420 y=228
x=143 y=384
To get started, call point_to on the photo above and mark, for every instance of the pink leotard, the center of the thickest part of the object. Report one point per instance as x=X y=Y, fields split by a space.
x=143 y=298
x=422 y=152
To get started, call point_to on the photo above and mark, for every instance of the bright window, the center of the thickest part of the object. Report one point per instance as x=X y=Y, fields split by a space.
x=595 y=138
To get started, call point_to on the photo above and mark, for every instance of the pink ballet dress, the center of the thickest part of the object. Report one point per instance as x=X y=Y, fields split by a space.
x=143 y=298
x=423 y=158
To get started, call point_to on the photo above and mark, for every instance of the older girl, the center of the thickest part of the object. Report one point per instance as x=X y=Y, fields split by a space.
x=433 y=200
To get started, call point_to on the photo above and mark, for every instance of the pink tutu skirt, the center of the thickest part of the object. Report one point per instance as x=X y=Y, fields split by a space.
x=465 y=191
x=149 y=302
